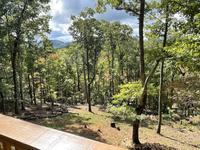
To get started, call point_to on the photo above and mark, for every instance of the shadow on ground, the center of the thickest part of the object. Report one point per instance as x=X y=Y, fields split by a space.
x=74 y=107
x=147 y=122
x=152 y=146
x=195 y=146
x=72 y=123
x=86 y=132
x=61 y=122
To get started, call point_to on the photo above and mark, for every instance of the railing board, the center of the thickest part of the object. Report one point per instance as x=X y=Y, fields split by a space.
x=22 y=134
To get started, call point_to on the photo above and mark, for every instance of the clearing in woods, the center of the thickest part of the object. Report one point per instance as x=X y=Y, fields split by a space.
x=96 y=126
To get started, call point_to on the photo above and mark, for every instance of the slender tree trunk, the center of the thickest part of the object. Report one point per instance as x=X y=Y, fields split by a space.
x=98 y=86
x=21 y=86
x=74 y=85
x=88 y=81
x=33 y=84
x=110 y=74
x=52 y=104
x=141 y=41
x=113 y=47
x=78 y=79
x=160 y=101
x=14 y=51
x=172 y=89
x=41 y=92
x=2 y=103
x=21 y=92
x=89 y=98
x=160 y=98
x=30 y=88
x=121 y=66
x=141 y=105
x=139 y=109
x=85 y=80
x=14 y=71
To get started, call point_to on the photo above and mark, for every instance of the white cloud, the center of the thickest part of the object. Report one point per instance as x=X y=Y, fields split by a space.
x=62 y=10
x=67 y=38
x=60 y=27
x=60 y=21
x=132 y=22
x=56 y=7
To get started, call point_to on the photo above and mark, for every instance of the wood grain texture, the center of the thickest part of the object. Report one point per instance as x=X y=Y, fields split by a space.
x=28 y=136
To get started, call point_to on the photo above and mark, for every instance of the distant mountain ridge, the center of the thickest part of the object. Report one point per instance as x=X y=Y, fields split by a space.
x=59 y=44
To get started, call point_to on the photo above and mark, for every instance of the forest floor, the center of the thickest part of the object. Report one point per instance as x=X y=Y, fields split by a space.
x=96 y=126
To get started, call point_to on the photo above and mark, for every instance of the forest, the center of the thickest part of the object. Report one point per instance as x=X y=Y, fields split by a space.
x=107 y=79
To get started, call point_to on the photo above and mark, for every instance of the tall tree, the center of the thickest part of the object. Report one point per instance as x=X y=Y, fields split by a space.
x=23 y=21
x=160 y=101
x=138 y=9
x=115 y=43
x=15 y=50
x=86 y=30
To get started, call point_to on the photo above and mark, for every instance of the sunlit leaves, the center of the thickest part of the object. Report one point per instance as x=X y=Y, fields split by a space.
x=124 y=112
x=129 y=91
x=187 y=50
x=132 y=92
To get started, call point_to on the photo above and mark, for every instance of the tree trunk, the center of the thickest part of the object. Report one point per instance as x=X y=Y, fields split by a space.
x=121 y=68
x=112 y=73
x=141 y=41
x=30 y=89
x=160 y=102
x=14 y=51
x=135 y=136
x=21 y=86
x=160 y=98
x=2 y=103
x=14 y=71
x=172 y=89
x=89 y=99
x=88 y=81
x=112 y=84
x=141 y=106
x=41 y=91
x=85 y=80
x=78 y=78
x=33 y=84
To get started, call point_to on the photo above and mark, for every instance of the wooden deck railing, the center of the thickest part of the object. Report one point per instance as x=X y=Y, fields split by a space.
x=16 y=134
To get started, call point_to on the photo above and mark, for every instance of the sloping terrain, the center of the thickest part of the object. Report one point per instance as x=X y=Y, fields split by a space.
x=97 y=126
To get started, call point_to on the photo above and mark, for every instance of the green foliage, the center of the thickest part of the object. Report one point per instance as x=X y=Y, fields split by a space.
x=21 y=21
x=124 y=103
x=187 y=51
x=124 y=112
x=132 y=92
x=107 y=52
x=52 y=95
x=131 y=7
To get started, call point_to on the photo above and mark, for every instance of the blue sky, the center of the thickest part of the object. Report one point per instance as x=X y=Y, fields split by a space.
x=62 y=10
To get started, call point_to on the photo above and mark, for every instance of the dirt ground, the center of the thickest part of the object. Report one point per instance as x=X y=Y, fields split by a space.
x=96 y=126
